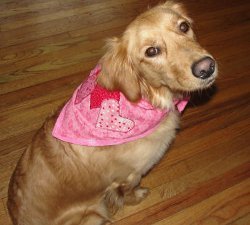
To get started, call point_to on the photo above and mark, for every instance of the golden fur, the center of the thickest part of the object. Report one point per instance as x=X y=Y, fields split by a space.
x=58 y=183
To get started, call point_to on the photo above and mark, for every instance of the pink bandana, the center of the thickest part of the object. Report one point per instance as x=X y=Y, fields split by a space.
x=95 y=116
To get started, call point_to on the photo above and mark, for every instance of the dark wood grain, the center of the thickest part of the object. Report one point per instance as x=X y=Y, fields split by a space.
x=48 y=46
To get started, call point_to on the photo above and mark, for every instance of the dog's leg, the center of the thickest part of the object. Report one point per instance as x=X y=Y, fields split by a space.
x=136 y=195
x=127 y=192
x=132 y=181
x=113 y=198
x=132 y=192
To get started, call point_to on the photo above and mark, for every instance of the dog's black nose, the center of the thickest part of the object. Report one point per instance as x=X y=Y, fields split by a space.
x=203 y=68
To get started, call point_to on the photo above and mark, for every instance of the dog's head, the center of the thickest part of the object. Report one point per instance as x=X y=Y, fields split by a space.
x=157 y=56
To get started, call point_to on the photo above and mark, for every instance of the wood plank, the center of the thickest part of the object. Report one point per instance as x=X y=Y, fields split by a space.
x=186 y=199
x=178 y=179
x=4 y=218
x=54 y=27
x=43 y=76
x=244 y=220
x=6 y=8
x=175 y=174
x=51 y=13
x=222 y=208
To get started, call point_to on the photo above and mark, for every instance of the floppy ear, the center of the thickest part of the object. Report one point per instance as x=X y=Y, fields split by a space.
x=117 y=71
x=175 y=5
x=179 y=8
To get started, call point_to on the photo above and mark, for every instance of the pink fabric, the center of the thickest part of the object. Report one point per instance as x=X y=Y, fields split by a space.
x=95 y=116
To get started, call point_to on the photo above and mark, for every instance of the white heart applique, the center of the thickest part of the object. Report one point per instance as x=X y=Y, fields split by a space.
x=110 y=119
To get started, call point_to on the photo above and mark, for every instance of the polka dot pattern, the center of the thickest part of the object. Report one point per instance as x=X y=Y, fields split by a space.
x=109 y=117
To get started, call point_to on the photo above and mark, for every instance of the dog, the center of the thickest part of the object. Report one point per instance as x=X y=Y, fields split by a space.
x=87 y=160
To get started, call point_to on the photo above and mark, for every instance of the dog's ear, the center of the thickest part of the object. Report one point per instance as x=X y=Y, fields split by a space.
x=175 y=5
x=178 y=7
x=118 y=72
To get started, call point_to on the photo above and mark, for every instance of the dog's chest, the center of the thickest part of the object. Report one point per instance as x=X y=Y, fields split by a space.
x=144 y=153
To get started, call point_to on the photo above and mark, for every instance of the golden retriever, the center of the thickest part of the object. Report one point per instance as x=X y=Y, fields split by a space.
x=56 y=182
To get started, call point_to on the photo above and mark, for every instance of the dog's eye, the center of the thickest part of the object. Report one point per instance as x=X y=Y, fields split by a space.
x=184 y=27
x=152 y=51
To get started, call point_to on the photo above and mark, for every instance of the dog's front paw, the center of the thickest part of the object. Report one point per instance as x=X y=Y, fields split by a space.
x=132 y=181
x=136 y=196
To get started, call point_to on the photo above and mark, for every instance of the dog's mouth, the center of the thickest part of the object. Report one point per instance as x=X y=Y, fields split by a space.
x=209 y=82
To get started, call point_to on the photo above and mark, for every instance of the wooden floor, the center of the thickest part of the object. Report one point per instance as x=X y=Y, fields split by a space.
x=46 y=48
